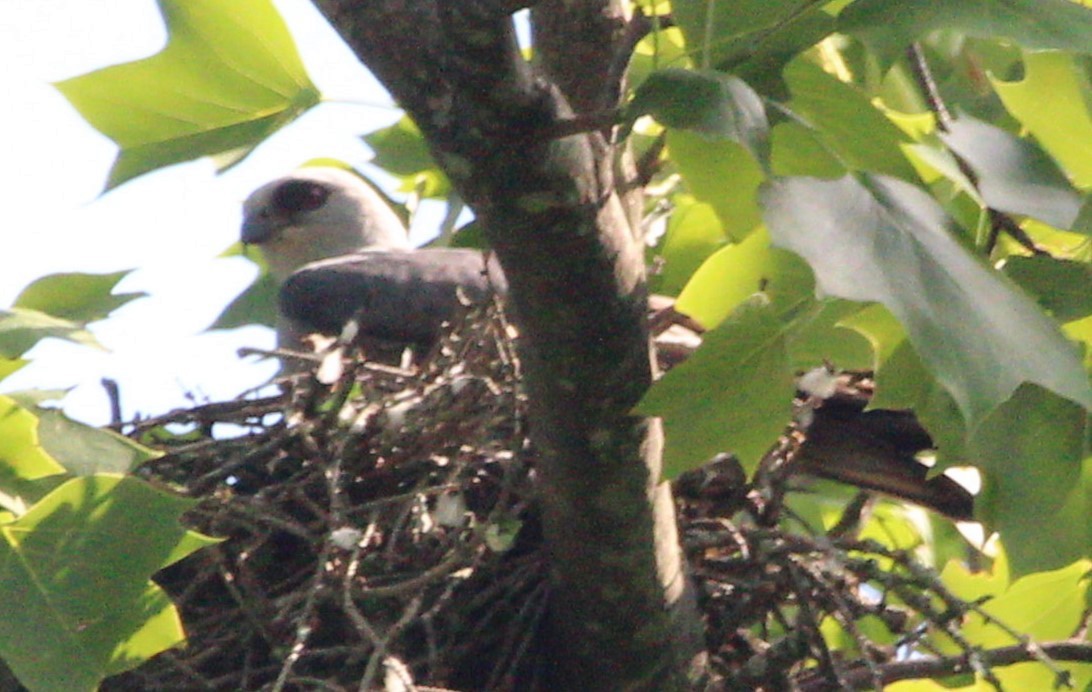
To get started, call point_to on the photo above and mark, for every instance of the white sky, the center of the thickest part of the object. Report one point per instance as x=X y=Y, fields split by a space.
x=170 y=225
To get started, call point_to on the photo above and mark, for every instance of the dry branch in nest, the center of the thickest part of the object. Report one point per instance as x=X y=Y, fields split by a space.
x=381 y=532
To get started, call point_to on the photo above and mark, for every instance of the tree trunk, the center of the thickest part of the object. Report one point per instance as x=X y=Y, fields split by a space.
x=622 y=614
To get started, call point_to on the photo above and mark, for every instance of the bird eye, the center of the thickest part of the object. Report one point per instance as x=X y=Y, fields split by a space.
x=300 y=195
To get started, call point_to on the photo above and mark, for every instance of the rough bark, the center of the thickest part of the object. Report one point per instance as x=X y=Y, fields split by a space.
x=621 y=614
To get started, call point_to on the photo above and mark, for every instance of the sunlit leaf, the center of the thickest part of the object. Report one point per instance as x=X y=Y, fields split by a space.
x=733 y=274
x=1046 y=606
x=1013 y=174
x=846 y=123
x=1051 y=102
x=21 y=329
x=22 y=456
x=721 y=174
x=77 y=297
x=84 y=450
x=883 y=240
x=693 y=233
x=889 y=26
x=229 y=77
x=733 y=395
x=401 y=150
x=10 y=365
x=76 y=569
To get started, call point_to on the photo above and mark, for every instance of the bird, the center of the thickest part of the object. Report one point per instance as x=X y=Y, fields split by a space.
x=339 y=253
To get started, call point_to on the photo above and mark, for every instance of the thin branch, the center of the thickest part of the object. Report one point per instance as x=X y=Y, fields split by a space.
x=861 y=678
x=999 y=221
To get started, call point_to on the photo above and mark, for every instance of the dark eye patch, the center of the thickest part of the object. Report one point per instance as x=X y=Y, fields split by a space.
x=299 y=195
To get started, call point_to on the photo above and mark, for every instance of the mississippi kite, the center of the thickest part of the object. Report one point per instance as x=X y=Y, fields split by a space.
x=337 y=251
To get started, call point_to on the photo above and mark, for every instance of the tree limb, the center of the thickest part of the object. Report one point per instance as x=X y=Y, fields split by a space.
x=620 y=615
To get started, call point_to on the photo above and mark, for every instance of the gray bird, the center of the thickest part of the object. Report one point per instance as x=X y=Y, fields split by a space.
x=337 y=252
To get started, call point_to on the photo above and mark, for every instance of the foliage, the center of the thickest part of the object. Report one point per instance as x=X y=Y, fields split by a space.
x=831 y=195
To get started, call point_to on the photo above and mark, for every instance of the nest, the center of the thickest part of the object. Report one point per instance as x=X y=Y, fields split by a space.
x=380 y=531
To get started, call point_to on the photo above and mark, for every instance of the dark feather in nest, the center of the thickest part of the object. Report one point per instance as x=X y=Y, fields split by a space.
x=384 y=527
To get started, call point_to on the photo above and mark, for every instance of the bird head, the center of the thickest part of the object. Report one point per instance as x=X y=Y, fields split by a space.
x=316 y=213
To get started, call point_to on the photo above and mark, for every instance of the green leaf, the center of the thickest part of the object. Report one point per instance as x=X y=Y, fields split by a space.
x=693 y=234
x=735 y=273
x=1014 y=174
x=84 y=450
x=1051 y=101
x=797 y=150
x=1045 y=606
x=21 y=329
x=22 y=456
x=846 y=123
x=712 y=104
x=1031 y=450
x=755 y=37
x=9 y=366
x=229 y=77
x=721 y=174
x=401 y=150
x=733 y=395
x=889 y=26
x=257 y=304
x=883 y=240
x=77 y=297
x=78 y=602
x=1063 y=287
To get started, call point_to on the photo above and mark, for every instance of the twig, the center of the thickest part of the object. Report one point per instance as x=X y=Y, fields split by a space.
x=999 y=221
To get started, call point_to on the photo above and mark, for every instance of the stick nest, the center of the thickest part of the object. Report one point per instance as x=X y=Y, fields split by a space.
x=381 y=531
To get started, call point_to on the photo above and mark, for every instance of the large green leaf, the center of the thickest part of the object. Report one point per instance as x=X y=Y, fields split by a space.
x=1063 y=287
x=21 y=329
x=693 y=233
x=733 y=395
x=735 y=273
x=78 y=601
x=84 y=450
x=751 y=37
x=1014 y=175
x=889 y=26
x=1031 y=450
x=1051 y=101
x=721 y=174
x=22 y=456
x=712 y=104
x=401 y=150
x=1046 y=606
x=846 y=123
x=880 y=239
x=76 y=297
x=229 y=77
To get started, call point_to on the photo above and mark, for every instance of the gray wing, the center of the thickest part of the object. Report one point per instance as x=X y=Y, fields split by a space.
x=395 y=296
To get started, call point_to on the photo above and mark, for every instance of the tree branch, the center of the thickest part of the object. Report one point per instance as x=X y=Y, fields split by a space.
x=862 y=678
x=999 y=221
x=620 y=615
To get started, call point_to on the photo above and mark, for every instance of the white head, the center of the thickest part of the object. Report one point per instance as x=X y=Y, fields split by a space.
x=317 y=213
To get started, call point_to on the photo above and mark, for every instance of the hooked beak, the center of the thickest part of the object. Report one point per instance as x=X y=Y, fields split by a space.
x=258 y=229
